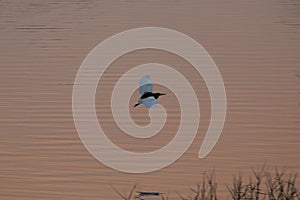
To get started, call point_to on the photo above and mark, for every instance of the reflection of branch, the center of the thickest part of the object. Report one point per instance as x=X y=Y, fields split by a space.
x=182 y=198
x=131 y=192
x=163 y=198
x=122 y=195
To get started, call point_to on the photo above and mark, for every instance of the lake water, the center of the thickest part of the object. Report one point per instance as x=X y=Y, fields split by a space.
x=255 y=44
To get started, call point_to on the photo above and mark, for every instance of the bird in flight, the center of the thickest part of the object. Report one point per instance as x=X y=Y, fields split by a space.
x=147 y=98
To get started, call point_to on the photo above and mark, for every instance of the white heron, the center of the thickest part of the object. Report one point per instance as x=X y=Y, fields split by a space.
x=147 y=97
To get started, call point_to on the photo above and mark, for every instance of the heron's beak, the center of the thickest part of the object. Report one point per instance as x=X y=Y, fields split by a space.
x=162 y=94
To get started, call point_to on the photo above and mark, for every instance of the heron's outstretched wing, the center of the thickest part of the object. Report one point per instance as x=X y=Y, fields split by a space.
x=150 y=102
x=145 y=85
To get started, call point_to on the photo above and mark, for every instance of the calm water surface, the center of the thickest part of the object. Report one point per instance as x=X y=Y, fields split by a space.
x=255 y=44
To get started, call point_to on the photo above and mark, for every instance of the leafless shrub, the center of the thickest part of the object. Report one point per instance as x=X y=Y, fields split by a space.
x=261 y=185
